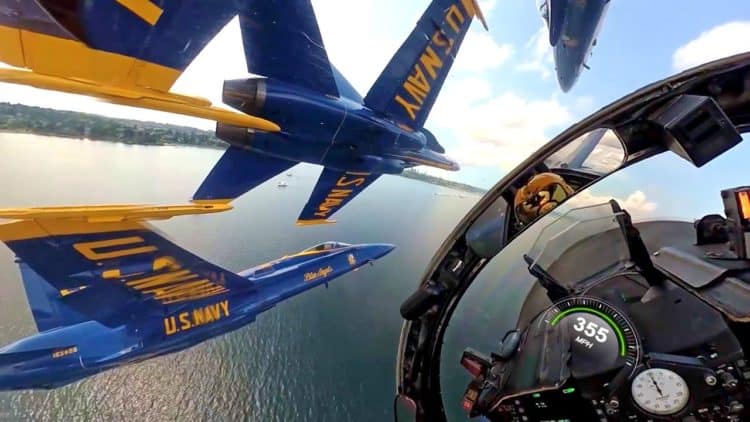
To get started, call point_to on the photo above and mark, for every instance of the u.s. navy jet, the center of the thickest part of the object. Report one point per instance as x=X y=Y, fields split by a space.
x=125 y=52
x=322 y=117
x=106 y=290
x=573 y=28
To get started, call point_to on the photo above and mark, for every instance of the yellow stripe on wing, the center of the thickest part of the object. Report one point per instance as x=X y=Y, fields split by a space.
x=70 y=66
x=144 y=9
x=50 y=221
x=110 y=213
x=11 y=51
x=139 y=97
x=314 y=222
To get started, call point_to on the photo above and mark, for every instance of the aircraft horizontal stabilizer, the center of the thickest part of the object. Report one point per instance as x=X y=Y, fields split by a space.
x=334 y=189
x=237 y=172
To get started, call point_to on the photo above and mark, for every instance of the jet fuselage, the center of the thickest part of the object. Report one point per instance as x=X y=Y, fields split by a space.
x=573 y=27
x=63 y=355
x=339 y=133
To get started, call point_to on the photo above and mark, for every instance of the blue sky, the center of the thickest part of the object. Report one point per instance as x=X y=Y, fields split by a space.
x=501 y=101
x=640 y=42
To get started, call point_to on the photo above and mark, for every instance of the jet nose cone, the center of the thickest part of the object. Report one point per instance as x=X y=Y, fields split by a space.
x=566 y=81
x=379 y=250
x=568 y=63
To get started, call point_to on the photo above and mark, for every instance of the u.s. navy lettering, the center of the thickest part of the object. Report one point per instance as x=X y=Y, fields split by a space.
x=418 y=85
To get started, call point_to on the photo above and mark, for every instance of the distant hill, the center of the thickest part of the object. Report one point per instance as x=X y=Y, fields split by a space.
x=416 y=174
x=19 y=118
x=70 y=124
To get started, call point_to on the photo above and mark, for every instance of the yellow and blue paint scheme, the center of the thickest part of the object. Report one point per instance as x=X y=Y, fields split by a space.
x=128 y=52
x=324 y=120
x=106 y=290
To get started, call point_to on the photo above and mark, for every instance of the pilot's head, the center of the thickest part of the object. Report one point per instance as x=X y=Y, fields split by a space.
x=540 y=195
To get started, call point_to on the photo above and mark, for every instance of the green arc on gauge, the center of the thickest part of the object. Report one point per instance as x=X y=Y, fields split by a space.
x=620 y=335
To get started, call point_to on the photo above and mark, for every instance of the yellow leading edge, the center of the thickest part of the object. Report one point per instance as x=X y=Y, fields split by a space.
x=314 y=222
x=70 y=66
x=102 y=213
x=49 y=221
x=141 y=98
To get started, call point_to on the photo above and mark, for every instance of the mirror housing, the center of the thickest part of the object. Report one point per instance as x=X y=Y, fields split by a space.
x=699 y=129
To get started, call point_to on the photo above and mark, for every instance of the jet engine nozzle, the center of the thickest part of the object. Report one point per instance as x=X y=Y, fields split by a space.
x=235 y=135
x=245 y=95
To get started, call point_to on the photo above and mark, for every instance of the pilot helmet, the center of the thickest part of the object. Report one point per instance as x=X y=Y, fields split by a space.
x=540 y=195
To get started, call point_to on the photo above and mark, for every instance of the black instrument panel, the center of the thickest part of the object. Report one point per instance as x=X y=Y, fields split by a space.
x=562 y=405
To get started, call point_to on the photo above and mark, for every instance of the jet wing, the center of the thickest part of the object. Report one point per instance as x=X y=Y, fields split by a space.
x=236 y=172
x=282 y=42
x=126 y=51
x=106 y=263
x=334 y=189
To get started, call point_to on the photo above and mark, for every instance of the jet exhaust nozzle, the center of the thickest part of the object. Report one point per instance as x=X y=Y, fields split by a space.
x=245 y=95
x=237 y=136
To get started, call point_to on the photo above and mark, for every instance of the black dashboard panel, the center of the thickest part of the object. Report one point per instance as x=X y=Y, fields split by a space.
x=563 y=405
x=669 y=319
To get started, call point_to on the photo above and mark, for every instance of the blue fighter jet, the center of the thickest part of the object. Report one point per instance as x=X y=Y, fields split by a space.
x=573 y=28
x=323 y=119
x=106 y=290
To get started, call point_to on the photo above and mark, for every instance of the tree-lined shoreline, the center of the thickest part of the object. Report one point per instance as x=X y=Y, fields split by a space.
x=19 y=118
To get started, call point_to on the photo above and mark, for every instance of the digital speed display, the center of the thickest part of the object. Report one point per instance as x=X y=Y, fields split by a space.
x=602 y=338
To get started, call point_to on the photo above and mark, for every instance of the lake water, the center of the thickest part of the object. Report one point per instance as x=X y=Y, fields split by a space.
x=326 y=355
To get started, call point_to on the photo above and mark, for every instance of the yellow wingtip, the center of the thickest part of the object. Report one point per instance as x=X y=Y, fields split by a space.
x=314 y=222
x=211 y=201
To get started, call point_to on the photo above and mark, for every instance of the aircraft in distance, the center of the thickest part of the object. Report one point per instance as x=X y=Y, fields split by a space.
x=573 y=28
x=323 y=118
x=124 y=52
x=106 y=289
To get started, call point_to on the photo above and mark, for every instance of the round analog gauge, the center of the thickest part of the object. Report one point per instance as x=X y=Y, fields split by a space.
x=660 y=391
x=601 y=338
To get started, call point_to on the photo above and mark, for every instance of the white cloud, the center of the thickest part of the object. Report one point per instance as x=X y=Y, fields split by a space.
x=504 y=130
x=718 y=42
x=540 y=60
x=637 y=204
x=360 y=37
x=584 y=104
x=480 y=52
